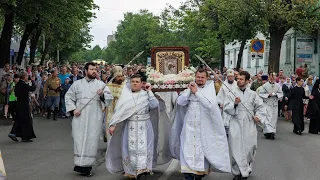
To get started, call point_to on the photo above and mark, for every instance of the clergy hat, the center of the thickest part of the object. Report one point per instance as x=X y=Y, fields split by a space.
x=117 y=71
x=264 y=77
x=230 y=72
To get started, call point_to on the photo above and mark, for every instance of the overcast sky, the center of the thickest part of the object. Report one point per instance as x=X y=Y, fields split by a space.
x=111 y=12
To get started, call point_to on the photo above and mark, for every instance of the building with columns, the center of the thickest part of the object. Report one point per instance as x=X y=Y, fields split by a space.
x=296 y=49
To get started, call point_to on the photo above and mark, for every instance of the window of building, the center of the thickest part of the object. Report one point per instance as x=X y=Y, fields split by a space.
x=288 y=50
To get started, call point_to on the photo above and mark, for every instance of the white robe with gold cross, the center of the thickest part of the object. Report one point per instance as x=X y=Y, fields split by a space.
x=131 y=148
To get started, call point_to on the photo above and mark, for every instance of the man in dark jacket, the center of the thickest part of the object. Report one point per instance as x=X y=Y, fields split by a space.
x=75 y=76
x=23 y=126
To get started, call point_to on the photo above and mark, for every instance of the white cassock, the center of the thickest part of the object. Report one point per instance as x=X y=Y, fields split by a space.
x=222 y=98
x=86 y=128
x=198 y=134
x=133 y=146
x=271 y=105
x=242 y=130
x=170 y=100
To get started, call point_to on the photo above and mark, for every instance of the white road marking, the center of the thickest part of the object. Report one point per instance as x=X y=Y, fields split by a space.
x=170 y=170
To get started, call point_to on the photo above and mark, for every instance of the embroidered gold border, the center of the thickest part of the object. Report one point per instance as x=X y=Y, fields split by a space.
x=162 y=55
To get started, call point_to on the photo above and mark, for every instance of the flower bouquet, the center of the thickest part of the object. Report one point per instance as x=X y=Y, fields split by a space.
x=170 y=82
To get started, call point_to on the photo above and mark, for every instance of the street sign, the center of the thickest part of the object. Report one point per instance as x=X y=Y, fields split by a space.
x=305 y=58
x=11 y=52
x=257 y=55
x=257 y=46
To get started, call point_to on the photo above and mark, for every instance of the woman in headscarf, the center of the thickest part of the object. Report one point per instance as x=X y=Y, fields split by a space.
x=308 y=89
x=313 y=111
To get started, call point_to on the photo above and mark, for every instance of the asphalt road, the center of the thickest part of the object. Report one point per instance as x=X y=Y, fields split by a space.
x=50 y=156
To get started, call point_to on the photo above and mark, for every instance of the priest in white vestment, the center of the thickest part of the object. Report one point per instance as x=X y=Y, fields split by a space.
x=86 y=123
x=246 y=110
x=199 y=139
x=229 y=84
x=271 y=93
x=132 y=146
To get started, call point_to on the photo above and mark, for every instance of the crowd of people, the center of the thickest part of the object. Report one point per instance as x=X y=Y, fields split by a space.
x=219 y=111
x=52 y=82
x=284 y=101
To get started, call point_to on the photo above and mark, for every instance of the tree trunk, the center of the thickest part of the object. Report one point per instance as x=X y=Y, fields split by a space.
x=45 y=51
x=34 y=43
x=243 y=43
x=276 y=38
x=26 y=34
x=222 y=53
x=6 y=34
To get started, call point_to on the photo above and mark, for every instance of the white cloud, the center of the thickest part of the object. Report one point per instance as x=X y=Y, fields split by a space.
x=111 y=12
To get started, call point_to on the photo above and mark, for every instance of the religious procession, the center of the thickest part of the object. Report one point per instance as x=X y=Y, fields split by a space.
x=147 y=116
x=159 y=90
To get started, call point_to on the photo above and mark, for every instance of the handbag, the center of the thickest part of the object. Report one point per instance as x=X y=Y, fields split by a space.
x=2 y=170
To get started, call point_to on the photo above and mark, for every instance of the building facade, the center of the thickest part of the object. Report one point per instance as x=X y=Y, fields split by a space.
x=296 y=50
x=111 y=38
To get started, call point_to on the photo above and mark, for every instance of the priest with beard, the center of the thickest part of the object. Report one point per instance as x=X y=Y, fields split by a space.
x=229 y=84
x=246 y=108
x=199 y=139
x=116 y=88
x=86 y=99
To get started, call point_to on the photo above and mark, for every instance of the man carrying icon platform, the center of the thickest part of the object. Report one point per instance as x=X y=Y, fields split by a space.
x=132 y=146
x=198 y=138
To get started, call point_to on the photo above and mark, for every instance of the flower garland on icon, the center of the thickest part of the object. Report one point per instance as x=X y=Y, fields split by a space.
x=171 y=81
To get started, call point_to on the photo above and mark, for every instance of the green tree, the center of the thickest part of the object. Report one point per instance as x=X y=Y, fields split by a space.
x=7 y=9
x=69 y=30
x=132 y=36
x=237 y=23
x=61 y=21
